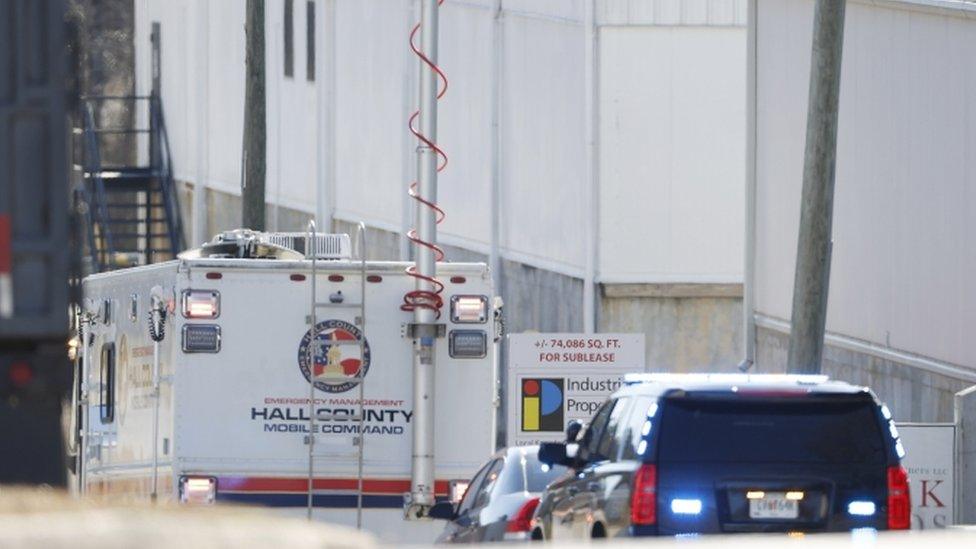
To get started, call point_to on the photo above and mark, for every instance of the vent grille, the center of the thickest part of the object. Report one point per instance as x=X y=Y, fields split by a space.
x=324 y=246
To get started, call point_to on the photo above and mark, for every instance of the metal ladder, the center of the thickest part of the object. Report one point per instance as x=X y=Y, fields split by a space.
x=315 y=305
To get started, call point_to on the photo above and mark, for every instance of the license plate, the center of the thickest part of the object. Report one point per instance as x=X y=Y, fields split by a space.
x=774 y=505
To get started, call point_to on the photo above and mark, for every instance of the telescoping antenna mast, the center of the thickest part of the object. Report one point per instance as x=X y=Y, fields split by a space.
x=425 y=301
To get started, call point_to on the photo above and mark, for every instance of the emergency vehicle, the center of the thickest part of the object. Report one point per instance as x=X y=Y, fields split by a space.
x=197 y=373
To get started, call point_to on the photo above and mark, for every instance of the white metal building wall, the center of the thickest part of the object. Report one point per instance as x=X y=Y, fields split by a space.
x=903 y=260
x=672 y=154
x=669 y=123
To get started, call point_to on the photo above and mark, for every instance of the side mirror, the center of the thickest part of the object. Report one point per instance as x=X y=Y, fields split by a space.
x=443 y=510
x=573 y=430
x=554 y=453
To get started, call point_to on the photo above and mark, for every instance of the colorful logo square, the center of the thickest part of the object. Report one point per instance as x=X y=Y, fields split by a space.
x=542 y=405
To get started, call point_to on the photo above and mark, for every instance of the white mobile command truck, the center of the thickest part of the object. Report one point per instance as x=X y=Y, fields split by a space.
x=232 y=417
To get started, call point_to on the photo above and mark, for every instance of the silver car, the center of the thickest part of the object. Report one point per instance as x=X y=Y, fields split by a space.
x=500 y=500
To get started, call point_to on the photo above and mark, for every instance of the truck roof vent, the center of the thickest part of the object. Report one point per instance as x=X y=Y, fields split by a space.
x=324 y=246
x=241 y=244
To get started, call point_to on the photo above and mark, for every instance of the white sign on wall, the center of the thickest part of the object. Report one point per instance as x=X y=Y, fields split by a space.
x=929 y=452
x=556 y=378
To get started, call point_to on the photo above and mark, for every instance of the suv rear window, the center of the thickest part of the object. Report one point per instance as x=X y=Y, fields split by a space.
x=820 y=430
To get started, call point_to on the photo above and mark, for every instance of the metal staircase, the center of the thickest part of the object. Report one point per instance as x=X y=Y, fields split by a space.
x=132 y=214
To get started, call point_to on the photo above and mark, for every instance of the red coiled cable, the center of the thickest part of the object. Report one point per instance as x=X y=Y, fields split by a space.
x=426 y=299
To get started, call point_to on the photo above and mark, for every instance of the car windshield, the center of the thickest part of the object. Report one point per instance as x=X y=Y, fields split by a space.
x=821 y=430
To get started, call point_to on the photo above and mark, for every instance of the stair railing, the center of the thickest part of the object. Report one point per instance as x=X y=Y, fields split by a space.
x=98 y=200
x=174 y=218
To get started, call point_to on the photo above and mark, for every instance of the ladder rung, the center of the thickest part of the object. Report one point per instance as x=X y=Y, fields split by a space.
x=139 y=235
x=131 y=221
x=339 y=305
x=337 y=455
x=132 y=206
x=121 y=130
x=334 y=441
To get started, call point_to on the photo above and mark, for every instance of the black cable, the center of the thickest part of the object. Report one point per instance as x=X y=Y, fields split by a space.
x=499 y=325
x=157 y=331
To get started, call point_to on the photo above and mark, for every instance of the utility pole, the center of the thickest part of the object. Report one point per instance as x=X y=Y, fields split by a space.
x=255 y=152
x=810 y=285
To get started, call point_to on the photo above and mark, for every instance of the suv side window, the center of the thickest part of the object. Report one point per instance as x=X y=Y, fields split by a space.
x=595 y=431
x=609 y=447
x=634 y=431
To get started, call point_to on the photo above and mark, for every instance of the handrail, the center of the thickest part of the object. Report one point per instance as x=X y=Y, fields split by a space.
x=175 y=223
x=92 y=163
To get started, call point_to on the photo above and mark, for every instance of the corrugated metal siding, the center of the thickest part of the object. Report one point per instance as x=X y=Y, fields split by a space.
x=672 y=145
x=905 y=198
x=721 y=13
x=543 y=152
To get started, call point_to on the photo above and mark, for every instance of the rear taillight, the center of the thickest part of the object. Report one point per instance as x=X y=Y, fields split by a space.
x=198 y=490
x=899 y=499
x=201 y=304
x=20 y=374
x=643 y=499
x=521 y=522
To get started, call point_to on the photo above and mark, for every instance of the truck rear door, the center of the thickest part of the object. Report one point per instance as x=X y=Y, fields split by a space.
x=771 y=464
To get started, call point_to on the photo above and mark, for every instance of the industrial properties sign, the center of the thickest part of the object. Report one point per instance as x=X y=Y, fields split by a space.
x=556 y=378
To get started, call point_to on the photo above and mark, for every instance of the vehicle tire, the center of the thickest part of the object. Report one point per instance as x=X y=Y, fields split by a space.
x=537 y=535
x=599 y=532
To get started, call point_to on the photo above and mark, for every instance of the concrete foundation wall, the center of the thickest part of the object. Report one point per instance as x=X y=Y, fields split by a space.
x=913 y=394
x=224 y=213
x=688 y=327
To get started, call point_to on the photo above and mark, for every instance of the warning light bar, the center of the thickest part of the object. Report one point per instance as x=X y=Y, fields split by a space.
x=201 y=304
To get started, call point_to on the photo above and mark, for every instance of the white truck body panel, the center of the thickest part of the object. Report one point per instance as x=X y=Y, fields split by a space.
x=241 y=414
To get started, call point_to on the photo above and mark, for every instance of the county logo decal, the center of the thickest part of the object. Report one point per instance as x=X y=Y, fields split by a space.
x=338 y=363
x=542 y=404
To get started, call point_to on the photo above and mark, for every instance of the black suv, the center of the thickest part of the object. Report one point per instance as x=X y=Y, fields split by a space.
x=672 y=454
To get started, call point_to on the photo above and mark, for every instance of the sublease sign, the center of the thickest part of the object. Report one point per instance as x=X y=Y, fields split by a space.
x=557 y=378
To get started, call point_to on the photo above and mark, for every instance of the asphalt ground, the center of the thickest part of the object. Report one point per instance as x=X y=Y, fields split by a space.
x=46 y=518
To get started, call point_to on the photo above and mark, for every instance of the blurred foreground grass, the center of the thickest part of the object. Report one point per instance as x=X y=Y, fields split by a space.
x=40 y=517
